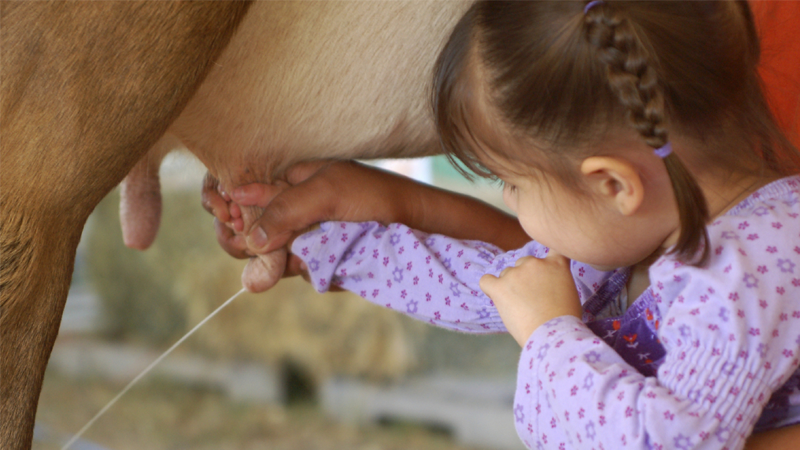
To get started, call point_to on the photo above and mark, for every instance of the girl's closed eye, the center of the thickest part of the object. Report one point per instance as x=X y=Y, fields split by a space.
x=507 y=186
x=510 y=195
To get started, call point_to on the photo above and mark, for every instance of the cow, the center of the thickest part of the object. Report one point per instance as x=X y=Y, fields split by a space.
x=93 y=93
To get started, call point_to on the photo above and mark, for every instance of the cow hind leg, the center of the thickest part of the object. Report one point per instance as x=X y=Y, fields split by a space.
x=85 y=90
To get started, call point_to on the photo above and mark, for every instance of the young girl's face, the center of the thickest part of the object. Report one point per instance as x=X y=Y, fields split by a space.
x=582 y=223
x=583 y=227
x=553 y=217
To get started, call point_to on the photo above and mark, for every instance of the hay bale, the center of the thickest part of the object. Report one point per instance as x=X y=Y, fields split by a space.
x=157 y=295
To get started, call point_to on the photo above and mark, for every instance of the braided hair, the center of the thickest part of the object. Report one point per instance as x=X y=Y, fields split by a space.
x=634 y=79
x=568 y=77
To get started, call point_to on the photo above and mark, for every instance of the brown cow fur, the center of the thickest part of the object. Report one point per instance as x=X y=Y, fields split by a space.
x=82 y=101
x=298 y=81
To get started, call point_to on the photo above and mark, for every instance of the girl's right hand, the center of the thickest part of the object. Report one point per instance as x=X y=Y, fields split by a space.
x=227 y=218
x=316 y=192
x=533 y=292
x=323 y=191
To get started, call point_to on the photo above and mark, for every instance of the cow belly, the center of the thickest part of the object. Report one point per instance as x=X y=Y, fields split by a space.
x=308 y=80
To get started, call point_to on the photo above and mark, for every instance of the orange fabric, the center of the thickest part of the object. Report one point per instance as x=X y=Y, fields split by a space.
x=778 y=25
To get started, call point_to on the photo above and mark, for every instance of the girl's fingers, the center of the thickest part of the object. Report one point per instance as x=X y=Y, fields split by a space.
x=235 y=211
x=290 y=212
x=522 y=261
x=294 y=266
x=238 y=224
x=552 y=254
x=214 y=204
x=257 y=194
x=559 y=259
x=488 y=282
x=232 y=243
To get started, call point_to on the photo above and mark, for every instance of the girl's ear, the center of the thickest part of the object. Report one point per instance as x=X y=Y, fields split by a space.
x=615 y=181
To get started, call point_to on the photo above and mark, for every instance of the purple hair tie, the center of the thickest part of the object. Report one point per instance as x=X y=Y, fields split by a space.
x=664 y=151
x=591 y=5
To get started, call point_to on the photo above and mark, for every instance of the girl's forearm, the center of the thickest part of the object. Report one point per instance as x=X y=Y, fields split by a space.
x=439 y=211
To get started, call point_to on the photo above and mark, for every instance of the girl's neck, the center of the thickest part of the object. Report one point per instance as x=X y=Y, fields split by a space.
x=721 y=195
x=639 y=279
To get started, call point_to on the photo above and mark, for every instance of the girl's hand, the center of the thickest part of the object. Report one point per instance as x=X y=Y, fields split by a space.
x=353 y=192
x=316 y=191
x=325 y=190
x=228 y=222
x=347 y=191
x=533 y=292
x=228 y=219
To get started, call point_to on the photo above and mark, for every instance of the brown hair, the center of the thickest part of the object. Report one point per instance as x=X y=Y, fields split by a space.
x=567 y=78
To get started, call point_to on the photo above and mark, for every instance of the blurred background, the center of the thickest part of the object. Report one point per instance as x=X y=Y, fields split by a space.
x=287 y=369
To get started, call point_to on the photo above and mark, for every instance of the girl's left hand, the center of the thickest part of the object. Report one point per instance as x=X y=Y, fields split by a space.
x=533 y=292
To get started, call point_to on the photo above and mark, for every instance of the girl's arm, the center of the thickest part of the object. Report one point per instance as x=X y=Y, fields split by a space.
x=349 y=191
x=353 y=192
x=429 y=277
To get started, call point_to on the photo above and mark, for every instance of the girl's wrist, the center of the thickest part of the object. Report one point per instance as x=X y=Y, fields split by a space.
x=547 y=327
x=414 y=204
x=406 y=199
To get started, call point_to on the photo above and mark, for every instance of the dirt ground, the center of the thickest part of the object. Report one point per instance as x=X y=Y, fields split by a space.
x=161 y=415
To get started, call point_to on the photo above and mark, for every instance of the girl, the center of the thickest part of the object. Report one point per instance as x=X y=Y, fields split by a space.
x=658 y=305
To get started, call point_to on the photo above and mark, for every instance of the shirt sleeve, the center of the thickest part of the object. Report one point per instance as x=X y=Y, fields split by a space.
x=731 y=340
x=429 y=277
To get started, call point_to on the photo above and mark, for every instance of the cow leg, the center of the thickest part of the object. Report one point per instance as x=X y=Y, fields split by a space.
x=86 y=89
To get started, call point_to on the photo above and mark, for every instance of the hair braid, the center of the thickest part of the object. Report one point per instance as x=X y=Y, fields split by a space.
x=634 y=80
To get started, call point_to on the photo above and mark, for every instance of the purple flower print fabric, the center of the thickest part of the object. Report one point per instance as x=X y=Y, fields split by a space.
x=429 y=277
x=702 y=357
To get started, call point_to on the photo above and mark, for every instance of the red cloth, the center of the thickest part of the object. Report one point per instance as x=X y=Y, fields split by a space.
x=777 y=23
